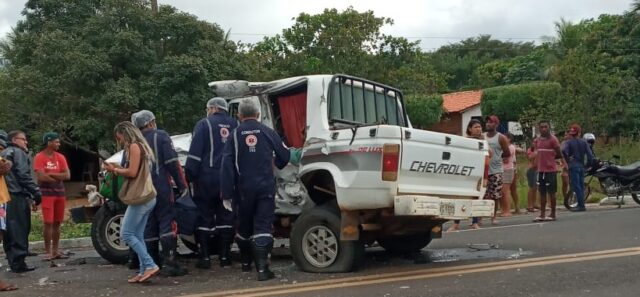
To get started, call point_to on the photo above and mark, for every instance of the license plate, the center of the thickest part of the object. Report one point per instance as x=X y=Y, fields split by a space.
x=447 y=208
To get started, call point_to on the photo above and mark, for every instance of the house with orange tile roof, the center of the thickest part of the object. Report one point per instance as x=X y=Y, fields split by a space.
x=459 y=108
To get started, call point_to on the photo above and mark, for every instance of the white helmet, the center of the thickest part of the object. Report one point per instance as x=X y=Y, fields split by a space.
x=589 y=137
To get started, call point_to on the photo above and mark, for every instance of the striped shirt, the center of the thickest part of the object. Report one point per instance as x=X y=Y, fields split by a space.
x=546 y=148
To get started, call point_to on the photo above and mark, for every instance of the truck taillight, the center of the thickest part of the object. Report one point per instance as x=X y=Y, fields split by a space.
x=390 y=162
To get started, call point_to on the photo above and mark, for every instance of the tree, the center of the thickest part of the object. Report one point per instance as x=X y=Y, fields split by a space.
x=347 y=42
x=424 y=111
x=80 y=66
x=460 y=60
x=526 y=103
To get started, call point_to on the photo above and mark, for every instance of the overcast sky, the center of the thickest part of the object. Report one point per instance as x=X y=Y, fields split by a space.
x=434 y=22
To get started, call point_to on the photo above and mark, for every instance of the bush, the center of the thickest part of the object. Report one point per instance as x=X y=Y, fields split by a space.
x=424 y=111
x=512 y=102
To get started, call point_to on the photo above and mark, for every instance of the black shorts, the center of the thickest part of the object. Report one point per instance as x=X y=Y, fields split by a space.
x=547 y=183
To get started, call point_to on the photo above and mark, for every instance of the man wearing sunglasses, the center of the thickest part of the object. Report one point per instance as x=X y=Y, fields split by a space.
x=22 y=189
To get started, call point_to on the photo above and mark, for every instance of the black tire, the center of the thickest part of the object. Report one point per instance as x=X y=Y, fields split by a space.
x=105 y=236
x=322 y=224
x=405 y=244
x=570 y=197
x=635 y=197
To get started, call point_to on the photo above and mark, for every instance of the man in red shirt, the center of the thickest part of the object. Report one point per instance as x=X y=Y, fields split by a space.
x=52 y=170
x=548 y=148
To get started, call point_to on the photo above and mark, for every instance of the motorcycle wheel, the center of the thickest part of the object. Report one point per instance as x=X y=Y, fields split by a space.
x=570 y=200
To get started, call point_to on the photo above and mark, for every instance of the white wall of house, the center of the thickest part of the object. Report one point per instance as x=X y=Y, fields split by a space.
x=468 y=114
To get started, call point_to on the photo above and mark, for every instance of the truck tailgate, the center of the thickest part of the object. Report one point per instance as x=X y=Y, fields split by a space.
x=441 y=164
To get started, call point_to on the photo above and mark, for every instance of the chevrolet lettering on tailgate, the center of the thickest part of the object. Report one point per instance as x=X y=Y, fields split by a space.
x=433 y=167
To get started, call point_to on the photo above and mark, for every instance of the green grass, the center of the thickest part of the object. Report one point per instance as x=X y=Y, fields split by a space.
x=628 y=151
x=68 y=229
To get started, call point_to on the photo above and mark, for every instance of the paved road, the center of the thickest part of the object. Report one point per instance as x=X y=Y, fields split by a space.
x=596 y=253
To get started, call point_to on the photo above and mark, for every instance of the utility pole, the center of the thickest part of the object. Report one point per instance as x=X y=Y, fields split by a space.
x=154 y=7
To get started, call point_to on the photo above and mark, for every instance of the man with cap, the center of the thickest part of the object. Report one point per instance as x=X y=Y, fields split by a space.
x=574 y=152
x=203 y=170
x=51 y=171
x=247 y=176
x=22 y=189
x=161 y=226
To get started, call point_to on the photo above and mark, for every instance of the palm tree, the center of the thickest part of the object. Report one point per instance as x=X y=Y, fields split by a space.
x=635 y=6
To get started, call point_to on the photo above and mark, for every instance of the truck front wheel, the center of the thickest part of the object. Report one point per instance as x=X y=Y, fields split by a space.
x=405 y=244
x=105 y=235
x=316 y=245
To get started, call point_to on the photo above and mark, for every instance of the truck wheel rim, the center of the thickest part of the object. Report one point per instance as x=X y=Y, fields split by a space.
x=320 y=246
x=113 y=228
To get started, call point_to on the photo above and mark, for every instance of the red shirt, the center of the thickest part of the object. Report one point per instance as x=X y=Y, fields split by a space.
x=532 y=155
x=546 y=148
x=51 y=164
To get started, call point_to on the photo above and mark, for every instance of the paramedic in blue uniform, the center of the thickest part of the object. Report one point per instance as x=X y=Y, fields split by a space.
x=247 y=169
x=161 y=226
x=203 y=170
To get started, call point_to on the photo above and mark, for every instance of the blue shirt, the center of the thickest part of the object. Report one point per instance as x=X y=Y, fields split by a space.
x=575 y=150
x=248 y=160
x=166 y=165
x=209 y=137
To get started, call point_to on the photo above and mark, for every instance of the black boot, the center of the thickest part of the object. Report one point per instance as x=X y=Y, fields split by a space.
x=226 y=239
x=261 y=255
x=133 y=263
x=170 y=266
x=245 y=254
x=203 y=262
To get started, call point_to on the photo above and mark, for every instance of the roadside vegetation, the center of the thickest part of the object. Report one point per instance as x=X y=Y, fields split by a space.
x=68 y=229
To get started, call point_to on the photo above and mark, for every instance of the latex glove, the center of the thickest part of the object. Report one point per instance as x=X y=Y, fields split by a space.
x=227 y=204
x=295 y=154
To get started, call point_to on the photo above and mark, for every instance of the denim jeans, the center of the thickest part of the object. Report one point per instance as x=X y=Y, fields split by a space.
x=133 y=225
x=576 y=174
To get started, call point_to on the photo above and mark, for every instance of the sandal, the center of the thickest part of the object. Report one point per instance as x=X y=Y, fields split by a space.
x=531 y=209
x=539 y=219
x=549 y=219
x=48 y=257
x=7 y=287
x=135 y=279
x=149 y=273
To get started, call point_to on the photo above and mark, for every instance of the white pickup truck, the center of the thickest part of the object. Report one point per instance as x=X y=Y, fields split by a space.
x=365 y=174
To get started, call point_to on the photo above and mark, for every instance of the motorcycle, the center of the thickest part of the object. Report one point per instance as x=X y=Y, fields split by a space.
x=615 y=180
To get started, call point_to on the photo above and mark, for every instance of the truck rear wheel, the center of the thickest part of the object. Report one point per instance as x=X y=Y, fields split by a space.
x=405 y=244
x=316 y=245
x=105 y=235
